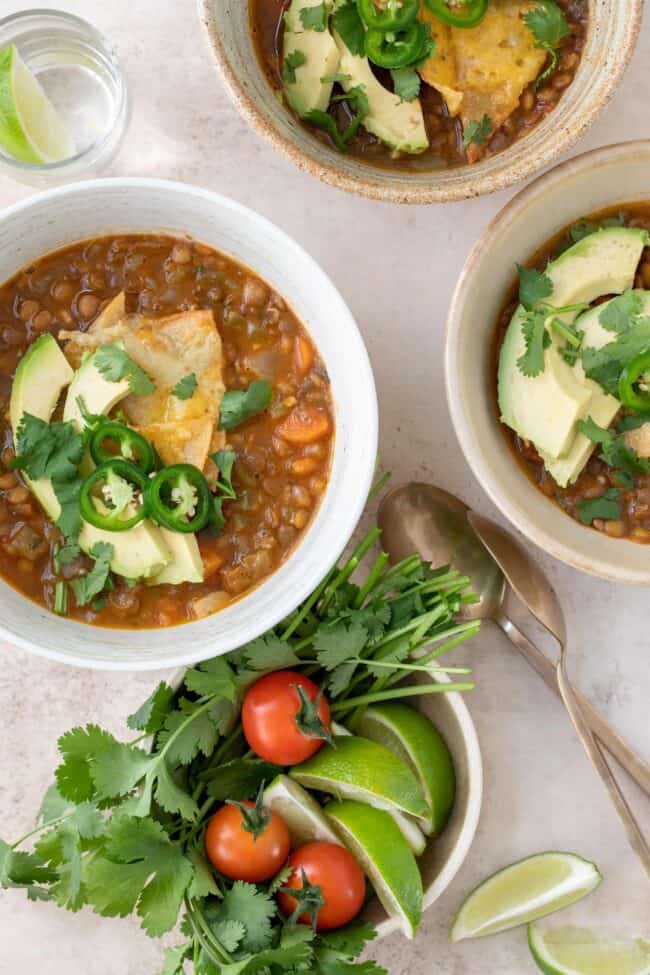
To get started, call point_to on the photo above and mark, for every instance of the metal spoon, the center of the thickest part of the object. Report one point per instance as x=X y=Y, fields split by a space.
x=531 y=586
x=425 y=519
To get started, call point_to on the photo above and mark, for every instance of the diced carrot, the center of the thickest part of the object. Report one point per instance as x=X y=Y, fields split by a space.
x=305 y=424
x=303 y=355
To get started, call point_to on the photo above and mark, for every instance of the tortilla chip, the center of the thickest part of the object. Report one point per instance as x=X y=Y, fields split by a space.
x=639 y=440
x=439 y=70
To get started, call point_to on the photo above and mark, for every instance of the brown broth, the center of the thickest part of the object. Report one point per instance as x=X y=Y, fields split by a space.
x=279 y=480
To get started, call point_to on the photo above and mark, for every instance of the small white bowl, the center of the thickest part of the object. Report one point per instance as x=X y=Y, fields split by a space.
x=604 y=178
x=59 y=217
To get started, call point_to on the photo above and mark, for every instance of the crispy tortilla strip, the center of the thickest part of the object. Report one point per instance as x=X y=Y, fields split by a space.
x=439 y=70
x=639 y=440
x=168 y=349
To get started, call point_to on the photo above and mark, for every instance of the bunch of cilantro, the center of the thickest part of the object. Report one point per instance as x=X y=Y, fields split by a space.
x=122 y=829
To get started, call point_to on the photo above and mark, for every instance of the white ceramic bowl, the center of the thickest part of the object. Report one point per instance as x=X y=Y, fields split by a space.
x=594 y=181
x=59 y=217
x=612 y=32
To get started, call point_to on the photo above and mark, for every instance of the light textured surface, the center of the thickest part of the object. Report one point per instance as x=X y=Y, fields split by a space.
x=396 y=267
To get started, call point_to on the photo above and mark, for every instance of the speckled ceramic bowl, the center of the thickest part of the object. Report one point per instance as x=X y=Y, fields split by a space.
x=614 y=26
x=594 y=181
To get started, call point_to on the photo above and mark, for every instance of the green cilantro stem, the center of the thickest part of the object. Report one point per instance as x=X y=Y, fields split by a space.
x=373 y=575
x=353 y=563
x=412 y=690
x=39 y=829
x=410 y=667
x=204 y=934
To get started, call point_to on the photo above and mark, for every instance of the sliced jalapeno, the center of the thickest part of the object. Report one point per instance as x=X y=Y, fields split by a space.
x=131 y=446
x=468 y=14
x=396 y=49
x=628 y=392
x=180 y=499
x=109 y=494
x=388 y=14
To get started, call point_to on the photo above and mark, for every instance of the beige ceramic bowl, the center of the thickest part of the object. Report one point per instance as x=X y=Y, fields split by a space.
x=594 y=181
x=614 y=25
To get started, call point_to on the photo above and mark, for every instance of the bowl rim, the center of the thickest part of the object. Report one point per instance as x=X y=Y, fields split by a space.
x=392 y=191
x=532 y=528
x=334 y=541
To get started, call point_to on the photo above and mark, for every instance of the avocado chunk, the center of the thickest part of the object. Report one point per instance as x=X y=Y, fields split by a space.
x=545 y=409
x=41 y=376
x=319 y=56
x=186 y=564
x=138 y=553
x=397 y=123
x=99 y=395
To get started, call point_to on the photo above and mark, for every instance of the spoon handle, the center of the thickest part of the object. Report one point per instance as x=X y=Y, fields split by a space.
x=593 y=749
x=628 y=759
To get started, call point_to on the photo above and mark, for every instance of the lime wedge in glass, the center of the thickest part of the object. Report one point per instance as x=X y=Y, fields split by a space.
x=372 y=836
x=524 y=892
x=575 y=951
x=411 y=736
x=361 y=769
x=30 y=127
x=303 y=816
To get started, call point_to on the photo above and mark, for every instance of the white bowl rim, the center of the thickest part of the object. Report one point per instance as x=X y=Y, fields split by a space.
x=336 y=540
x=534 y=530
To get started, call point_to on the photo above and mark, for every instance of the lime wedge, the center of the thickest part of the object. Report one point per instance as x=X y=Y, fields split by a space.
x=574 y=951
x=411 y=736
x=357 y=768
x=383 y=853
x=305 y=819
x=31 y=129
x=525 y=892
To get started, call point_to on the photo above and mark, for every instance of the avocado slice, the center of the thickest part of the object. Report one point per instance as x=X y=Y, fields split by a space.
x=186 y=564
x=41 y=376
x=397 y=123
x=546 y=409
x=321 y=60
x=138 y=553
x=99 y=395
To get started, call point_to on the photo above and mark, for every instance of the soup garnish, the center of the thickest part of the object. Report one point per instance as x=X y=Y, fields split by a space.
x=169 y=431
x=574 y=371
x=420 y=83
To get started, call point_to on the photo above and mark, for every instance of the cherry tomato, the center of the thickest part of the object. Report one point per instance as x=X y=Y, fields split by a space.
x=240 y=855
x=340 y=878
x=269 y=714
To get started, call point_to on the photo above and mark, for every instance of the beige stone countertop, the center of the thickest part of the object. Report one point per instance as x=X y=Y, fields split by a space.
x=396 y=267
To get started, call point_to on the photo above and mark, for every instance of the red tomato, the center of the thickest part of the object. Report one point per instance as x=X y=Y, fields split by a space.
x=238 y=854
x=340 y=878
x=269 y=718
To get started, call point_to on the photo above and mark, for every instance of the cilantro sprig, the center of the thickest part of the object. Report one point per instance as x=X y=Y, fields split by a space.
x=534 y=288
x=615 y=452
x=477 y=132
x=115 y=364
x=186 y=387
x=549 y=26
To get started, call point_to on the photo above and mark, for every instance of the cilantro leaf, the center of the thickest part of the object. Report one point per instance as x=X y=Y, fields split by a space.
x=325 y=122
x=531 y=362
x=315 y=18
x=67 y=494
x=477 y=133
x=593 y=431
x=225 y=459
x=117 y=769
x=186 y=387
x=151 y=715
x=94 y=582
x=170 y=795
x=52 y=450
x=239 y=405
x=212 y=678
x=174 y=959
x=631 y=421
x=269 y=652
x=292 y=60
x=606 y=507
x=615 y=452
x=67 y=553
x=534 y=286
x=605 y=365
x=406 y=83
x=583 y=228
x=115 y=364
x=203 y=882
x=256 y=908
x=79 y=747
x=349 y=940
x=348 y=24
x=616 y=315
x=193 y=728
x=549 y=26
x=336 y=643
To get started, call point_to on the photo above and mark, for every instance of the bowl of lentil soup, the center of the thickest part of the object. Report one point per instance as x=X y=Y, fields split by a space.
x=545 y=368
x=185 y=450
x=492 y=93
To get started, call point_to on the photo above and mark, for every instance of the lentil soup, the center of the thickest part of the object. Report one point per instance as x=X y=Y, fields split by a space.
x=277 y=423
x=610 y=492
x=461 y=121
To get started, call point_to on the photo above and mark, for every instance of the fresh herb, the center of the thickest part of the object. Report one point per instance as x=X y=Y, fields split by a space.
x=239 y=405
x=623 y=459
x=95 y=581
x=406 y=83
x=477 y=133
x=632 y=421
x=358 y=102
x=61 y=598
x=186 y=387
x=534 y=286
x=114 y=364
x=224 y=490
x=336 y=79
x=607 y=507
x=583 y=228
x=293 y=60
x=618 y=314
x=47 y=450
x=606 y=364
x=590 y=429
x=537 y=339
x=549 y=26
x=348 y=24
x=66 y=554
x=315 y=18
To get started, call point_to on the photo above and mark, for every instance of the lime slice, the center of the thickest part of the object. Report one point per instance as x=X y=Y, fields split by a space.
x=31 y=129
x=574 y=951
x=525 y=892
x=411 y=736
x=376 y=842
x=357 y=768
x=305 y=819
